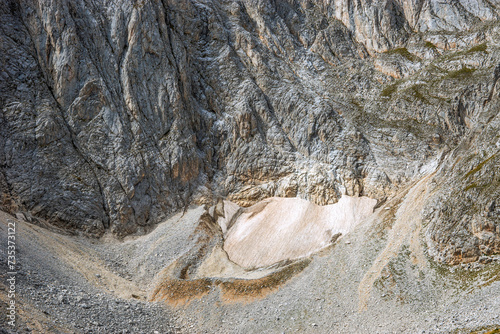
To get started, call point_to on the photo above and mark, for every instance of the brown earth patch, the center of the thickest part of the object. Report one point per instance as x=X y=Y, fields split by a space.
x=243 y=290
x=179 y=292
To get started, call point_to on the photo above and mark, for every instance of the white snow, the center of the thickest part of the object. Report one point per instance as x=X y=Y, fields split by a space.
x=278 y=229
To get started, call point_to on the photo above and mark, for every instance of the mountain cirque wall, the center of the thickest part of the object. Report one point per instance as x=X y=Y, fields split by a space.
x=116 y=114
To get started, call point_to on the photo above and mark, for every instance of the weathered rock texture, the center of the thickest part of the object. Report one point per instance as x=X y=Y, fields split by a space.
x=118 y=113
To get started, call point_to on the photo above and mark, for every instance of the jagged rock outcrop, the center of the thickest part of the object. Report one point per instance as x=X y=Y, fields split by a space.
x=383 y=25
x=116 y=114
x=464 y=218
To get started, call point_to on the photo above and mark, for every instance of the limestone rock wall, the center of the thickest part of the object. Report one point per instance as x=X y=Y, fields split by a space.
x=117 y=113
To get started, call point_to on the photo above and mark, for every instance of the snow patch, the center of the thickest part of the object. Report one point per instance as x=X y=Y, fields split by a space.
x=278 y=229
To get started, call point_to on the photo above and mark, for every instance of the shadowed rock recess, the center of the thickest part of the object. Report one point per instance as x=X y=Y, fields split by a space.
x=361 y=136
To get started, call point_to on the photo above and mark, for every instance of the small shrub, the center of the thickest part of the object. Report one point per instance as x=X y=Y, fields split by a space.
x=461 y=73
x=479 y=166
x=430 y=45
x=389 y=90
x=417 y=94
x=471 y=186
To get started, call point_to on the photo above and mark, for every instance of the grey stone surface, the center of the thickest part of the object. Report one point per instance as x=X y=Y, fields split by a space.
x=116 y=114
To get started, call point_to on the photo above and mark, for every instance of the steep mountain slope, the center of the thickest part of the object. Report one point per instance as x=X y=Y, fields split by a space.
x=118 y=115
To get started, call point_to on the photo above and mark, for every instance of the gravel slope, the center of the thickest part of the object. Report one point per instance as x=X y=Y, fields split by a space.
x=70 y=284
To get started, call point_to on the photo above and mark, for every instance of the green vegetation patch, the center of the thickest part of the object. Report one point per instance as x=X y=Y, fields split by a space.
x=237 y=288
x=356 y=103
x=478 y=48
x=430 y=45
x=403 y=52
x=182 y=291
x=479 y=166
x=389 y=90
x=416 y=92
x=494 y=329
x=471 y=186
x=466 y=280
x=462 y=73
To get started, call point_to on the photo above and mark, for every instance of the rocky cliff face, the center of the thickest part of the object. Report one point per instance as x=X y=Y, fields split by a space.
x=117 y=113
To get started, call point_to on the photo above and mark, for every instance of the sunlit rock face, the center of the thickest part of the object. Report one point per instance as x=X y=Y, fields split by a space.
x=116 y=115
